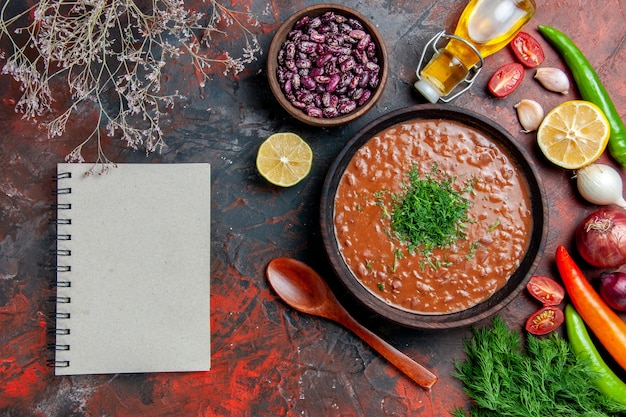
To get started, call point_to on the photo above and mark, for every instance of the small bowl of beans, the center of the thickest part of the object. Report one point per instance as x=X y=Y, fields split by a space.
x=327 y=65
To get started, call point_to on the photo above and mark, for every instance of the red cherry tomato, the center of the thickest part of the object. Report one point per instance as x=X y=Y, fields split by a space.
x=546 y=290
x=506 y=79
x=527 y=50
x=545 y=320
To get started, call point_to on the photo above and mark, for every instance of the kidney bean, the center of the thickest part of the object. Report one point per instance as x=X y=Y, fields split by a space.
x=357 y=93
x=290 y=64
x=355 y=24
x=302 y=22
x=322 y=79
x=339 y=18
x=331 y=68
x=295 y=81
x=347 y=65
x=372 y=67
x=318 y=100
x=326 y=99
x=308 y=82
x=364 y=81
x=298 y=104
x=328 y=17
x=374 y=79
x=307 y=47
x=323 y=59
x=287 y=86
x=295 y=35
x=314 y=111
x=346 y=107
x=316 y=72
x=330 y=112
x=361 y=56
x=333 y=83
x=357 y=34
x=346 y=79
x=315 y=22
x=355 y=82
x=290 y=50
x=366 y=95
x=304 y=63
x=317 y=37
x=305 y=96
x=363 y=43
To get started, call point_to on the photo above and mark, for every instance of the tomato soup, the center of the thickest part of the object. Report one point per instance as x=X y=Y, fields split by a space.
x=446 y=278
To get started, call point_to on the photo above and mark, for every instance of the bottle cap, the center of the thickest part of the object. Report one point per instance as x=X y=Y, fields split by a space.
x=427 y=90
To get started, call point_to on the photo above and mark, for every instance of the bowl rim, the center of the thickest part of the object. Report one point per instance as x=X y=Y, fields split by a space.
x=272 y=65
x=500 y=298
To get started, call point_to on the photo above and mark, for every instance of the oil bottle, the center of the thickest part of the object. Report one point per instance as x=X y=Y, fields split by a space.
x=485 y=27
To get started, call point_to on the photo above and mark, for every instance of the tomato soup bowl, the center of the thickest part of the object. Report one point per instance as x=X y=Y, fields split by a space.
x=410 y=128
x=349 y=65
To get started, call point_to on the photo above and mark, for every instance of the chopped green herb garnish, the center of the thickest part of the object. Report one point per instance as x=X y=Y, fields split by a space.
x=474 y=246
x=430 y=213
x=381 y=286
x=396 y=255
x=495 y=225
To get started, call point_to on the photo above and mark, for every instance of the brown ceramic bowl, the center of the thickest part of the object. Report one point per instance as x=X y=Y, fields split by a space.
x=501 y=297
x=273 y=64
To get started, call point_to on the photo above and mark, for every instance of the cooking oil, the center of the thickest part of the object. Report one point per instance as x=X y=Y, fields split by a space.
x=485 y=27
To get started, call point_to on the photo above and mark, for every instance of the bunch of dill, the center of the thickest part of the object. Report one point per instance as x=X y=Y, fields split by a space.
x=545 y=379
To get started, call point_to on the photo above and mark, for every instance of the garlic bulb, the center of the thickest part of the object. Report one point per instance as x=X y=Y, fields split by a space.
x=553 y=79
x=530 y=114
x=600 y=184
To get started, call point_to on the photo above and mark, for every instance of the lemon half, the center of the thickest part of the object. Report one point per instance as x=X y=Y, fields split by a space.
x=573 y=134
x=284 y=159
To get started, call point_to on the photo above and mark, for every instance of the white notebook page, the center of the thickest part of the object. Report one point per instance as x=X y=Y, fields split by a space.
x=140 y=269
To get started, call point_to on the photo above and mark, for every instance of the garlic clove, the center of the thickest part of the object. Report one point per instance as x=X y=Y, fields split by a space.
x=530 y=114
x=553 y=79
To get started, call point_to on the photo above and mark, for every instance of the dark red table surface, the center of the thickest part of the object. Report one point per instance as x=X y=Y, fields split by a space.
x=268 y=360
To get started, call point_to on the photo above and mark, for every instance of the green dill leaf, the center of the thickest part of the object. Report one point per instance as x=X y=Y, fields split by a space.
x=544 y=378
x=430 y=213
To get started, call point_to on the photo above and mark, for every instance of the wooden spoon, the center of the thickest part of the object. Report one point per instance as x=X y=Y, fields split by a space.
x=303 y=289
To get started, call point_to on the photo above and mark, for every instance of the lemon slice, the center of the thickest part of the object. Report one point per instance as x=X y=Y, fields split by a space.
x=573 y=134
x=284 y=159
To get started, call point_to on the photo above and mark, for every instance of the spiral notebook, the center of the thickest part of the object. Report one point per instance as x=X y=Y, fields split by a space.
x=133 y=269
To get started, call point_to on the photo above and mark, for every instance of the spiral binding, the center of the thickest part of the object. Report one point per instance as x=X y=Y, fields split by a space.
x=59 y=270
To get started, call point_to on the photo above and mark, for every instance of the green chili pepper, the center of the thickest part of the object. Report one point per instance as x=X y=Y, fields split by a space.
x=590 y=88
x=582 y=346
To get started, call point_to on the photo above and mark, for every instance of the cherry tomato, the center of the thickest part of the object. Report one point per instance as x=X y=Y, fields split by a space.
x=506 y=79
x=527 y=50
x=546 y=290
x=545 y=320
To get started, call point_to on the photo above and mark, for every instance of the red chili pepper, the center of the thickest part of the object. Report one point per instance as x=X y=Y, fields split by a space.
x=608 y=327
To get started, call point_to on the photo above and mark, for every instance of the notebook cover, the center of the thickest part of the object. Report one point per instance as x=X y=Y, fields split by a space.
x=133 y=262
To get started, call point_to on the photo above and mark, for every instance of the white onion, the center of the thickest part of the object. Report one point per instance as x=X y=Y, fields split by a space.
x=600 y=184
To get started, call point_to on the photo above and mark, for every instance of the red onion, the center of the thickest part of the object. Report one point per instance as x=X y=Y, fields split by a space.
x=601 y=238
x=613 y=290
